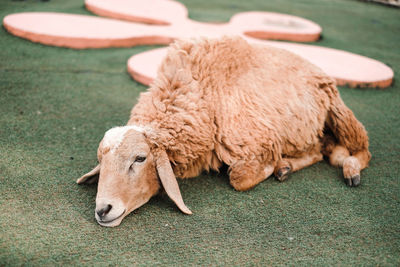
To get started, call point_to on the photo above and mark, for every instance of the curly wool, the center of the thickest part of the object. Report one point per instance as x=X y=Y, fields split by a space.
x=226 y=101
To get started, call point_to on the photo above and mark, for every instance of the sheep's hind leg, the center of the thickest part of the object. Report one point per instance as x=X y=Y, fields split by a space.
x=244 y=175
x=352 y=165
x=289 y=165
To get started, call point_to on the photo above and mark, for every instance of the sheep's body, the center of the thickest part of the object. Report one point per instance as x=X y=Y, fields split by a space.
x=258 y=109
x=226 y=101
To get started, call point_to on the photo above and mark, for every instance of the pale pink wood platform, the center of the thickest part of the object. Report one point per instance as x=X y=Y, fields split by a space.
x=169 y=21
x=358 y=71
x=164 y=12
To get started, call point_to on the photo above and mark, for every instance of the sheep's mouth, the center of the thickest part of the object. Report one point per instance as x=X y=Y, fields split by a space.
x=112 y=220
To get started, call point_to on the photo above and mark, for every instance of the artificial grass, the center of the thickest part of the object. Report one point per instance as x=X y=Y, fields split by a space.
x=56 y=104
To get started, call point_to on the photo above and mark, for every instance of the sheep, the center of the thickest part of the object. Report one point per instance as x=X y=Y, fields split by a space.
x=258 y=109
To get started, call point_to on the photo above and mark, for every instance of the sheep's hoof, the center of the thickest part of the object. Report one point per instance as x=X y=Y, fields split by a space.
x=351 y=171
x=353 y=181
x=283 y=173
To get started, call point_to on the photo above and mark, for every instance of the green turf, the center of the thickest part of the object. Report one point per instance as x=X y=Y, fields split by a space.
x=56 y=103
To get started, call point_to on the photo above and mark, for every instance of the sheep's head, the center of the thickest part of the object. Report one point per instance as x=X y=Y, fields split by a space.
x=129 y=172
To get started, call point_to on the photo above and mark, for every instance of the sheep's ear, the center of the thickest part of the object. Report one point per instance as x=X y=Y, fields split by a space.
x=90 y=177
x=175 y=66
x=169 y=182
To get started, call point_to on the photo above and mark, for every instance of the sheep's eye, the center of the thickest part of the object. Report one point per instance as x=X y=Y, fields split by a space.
x=140 y=159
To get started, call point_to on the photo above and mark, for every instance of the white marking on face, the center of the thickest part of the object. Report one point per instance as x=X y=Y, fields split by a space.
x=114 y=137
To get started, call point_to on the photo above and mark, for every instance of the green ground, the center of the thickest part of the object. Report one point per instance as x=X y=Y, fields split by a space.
x=56 y=103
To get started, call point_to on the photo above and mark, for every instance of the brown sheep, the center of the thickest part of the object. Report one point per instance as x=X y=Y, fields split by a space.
x=257 y=109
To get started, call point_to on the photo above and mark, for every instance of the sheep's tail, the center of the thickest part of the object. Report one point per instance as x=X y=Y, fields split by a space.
x=349 y=133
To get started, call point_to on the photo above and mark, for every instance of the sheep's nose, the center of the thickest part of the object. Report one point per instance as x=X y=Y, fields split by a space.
x=104 y=211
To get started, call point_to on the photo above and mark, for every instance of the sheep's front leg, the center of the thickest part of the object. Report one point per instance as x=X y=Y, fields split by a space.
x=288 y=165
x=244 y=175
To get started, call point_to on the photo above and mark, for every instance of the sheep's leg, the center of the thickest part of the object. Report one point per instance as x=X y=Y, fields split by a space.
x=244 y=175
x=352 y=164
x=289 y=165
x=351 y=151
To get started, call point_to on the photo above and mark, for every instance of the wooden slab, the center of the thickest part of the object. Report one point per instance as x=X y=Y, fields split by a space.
x=80 y=31
x=358 y=71
x=162 y=12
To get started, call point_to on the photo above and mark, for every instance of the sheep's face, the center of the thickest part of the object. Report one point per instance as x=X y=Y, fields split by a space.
x=128 y=177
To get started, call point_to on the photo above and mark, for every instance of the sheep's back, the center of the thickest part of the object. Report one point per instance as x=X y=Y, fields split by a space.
x=277 y=98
